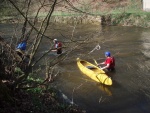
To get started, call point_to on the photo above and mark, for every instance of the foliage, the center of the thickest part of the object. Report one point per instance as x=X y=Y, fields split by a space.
x=45 y=101
x=17 y=78
x=6 y=9
x=132 y=19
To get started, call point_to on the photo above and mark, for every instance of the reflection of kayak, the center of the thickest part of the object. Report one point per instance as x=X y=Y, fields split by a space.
x=93 y=72
x=105 y=89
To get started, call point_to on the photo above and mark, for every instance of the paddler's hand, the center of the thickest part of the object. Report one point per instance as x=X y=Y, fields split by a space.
x=98 y=65
x=101 y=68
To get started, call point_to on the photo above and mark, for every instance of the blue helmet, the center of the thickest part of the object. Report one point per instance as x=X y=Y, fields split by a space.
x=107 y=54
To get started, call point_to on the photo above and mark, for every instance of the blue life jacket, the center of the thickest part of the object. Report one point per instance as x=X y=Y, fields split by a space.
x=22 y=46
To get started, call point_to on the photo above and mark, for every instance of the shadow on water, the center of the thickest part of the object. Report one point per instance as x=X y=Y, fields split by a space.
x=105 y=89
x=122 y=102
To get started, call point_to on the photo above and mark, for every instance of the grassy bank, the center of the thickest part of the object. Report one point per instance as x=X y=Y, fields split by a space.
x=131 y=19
x=132 y=15
x=115 y=12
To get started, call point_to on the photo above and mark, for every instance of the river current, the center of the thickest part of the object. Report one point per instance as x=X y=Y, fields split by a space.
x=130 y=92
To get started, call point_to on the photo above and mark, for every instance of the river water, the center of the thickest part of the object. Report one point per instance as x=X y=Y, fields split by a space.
x=130 y=92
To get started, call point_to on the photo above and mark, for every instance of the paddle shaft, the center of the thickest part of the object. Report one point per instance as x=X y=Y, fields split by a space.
x=96 y=63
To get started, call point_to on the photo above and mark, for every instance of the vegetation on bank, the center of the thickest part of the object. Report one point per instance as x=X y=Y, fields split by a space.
x=120 y=19
x=132 y=19
x=115 y=12
x=19 y=92
x=36 y=100
x=131 y=15
x=23 y=91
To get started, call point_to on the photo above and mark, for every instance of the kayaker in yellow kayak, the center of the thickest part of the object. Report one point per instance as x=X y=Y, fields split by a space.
x=109 y=62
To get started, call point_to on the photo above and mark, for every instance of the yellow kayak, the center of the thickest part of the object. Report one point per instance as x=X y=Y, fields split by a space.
x=93 y=72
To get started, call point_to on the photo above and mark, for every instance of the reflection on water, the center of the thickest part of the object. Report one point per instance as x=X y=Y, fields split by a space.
x=146 y=44
x=105 y=89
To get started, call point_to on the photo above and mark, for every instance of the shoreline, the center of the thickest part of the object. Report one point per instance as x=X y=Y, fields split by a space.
x=120 y=19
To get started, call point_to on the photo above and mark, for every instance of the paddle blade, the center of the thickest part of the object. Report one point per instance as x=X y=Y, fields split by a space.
x=95 y=62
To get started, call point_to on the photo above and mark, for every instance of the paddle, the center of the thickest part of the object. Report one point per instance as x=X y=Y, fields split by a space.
x=96 y=63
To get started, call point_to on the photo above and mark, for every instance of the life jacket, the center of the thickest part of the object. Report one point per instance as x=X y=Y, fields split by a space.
x=111 y=60
x=58 y=46
x=112 y=65
x=22 y=46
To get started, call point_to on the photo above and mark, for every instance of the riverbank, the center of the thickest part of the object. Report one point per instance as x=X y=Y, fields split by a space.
x=139 y=19
x=100 y=12
x=132 y=19
x=33 y=94
x=37 y=100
